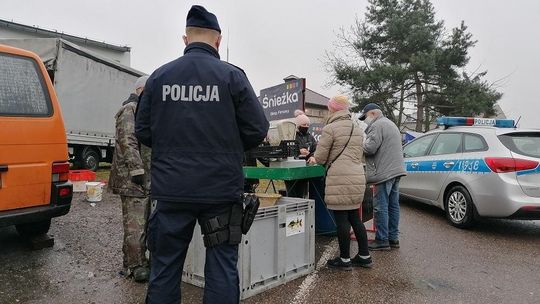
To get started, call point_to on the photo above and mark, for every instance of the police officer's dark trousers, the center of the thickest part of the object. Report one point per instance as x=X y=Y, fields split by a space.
x=169 y=234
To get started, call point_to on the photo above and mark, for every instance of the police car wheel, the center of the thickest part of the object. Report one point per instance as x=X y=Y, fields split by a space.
x=459 y=207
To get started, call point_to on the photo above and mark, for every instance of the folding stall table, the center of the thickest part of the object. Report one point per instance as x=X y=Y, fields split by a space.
x=324 y=220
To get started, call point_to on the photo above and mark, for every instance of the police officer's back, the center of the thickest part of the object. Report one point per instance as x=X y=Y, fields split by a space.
x=199 y=114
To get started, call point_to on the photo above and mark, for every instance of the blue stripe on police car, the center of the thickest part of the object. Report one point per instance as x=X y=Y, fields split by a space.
x=532 y=171
x=477 y=166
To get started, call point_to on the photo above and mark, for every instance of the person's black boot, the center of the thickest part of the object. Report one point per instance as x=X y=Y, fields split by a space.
x=357 y=261
x=339 y=264
x=394 y=243
x=141 y=274
x=379 y=245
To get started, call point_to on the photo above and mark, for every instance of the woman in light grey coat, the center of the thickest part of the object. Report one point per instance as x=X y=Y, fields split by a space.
x=340 y=150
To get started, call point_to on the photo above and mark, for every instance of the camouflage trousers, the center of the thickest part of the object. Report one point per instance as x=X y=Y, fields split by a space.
x=135 y=211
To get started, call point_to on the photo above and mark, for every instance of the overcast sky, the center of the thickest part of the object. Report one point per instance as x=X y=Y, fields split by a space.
x=273 y=39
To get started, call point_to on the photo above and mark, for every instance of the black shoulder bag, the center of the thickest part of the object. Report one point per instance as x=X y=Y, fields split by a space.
x=329 y=164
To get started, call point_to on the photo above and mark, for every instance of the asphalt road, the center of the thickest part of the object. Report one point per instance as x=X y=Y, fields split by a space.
x=496 y=262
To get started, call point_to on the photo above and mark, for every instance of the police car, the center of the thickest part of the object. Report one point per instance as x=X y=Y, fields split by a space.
x=475 y=167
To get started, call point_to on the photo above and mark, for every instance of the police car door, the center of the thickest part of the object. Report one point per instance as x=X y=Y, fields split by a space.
x=436 y=166
x=413 y=153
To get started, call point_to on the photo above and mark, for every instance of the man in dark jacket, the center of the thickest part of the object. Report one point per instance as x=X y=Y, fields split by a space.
x=384 y=168
x=198 y=114
x=130 y=179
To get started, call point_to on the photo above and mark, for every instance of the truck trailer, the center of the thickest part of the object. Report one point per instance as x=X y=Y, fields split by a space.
x=90 y=89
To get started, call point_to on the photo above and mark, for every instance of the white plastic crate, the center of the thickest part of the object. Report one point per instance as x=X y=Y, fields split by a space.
x=280 y=247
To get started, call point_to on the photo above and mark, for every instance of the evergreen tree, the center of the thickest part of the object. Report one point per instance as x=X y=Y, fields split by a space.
x=400 y=53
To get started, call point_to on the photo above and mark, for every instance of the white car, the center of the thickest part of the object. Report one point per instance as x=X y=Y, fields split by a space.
x=475 y=168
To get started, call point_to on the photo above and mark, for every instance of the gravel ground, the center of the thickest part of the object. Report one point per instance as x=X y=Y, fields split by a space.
x=496 y=262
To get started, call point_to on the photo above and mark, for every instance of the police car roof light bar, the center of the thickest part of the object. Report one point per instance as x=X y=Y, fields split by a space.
x=472 y=121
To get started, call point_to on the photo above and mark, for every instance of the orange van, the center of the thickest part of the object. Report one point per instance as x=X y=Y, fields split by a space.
x=34 y=166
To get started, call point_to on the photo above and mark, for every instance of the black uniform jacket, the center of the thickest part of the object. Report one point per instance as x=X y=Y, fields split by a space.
x=199 y=114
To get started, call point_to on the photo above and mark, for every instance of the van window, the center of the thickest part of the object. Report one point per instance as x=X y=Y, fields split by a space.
x=22 y=90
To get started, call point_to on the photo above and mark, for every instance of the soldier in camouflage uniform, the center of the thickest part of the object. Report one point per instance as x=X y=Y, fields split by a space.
x=130 y=178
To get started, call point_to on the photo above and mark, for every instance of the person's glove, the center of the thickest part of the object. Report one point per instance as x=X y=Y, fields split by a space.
x=138 y=179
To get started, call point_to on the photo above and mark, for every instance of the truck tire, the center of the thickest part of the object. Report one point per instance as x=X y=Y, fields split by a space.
x=90 y=159
x=33 y=229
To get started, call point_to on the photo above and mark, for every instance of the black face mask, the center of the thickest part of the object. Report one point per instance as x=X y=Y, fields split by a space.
x=303 y=130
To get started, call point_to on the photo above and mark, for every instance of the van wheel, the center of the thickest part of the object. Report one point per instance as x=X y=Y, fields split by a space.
x=459 y=207
x=33 y=229
x=90 y=159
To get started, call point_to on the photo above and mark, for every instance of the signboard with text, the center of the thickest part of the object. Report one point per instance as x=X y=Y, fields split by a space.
x=279 y=102
x=315 y=129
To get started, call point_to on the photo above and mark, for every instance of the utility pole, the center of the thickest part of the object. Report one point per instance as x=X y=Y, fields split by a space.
x=228 y=38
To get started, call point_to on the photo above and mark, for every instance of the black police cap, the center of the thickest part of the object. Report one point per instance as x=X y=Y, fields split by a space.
x=198 y=16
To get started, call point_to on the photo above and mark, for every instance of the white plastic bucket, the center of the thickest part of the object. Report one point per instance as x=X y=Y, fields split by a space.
x=94 y=191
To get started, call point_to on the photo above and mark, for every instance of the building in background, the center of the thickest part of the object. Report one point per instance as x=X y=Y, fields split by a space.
x=499 y=113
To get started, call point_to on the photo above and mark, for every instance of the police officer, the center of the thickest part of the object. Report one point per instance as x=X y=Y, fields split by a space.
x=198 y=114
x=129 y=178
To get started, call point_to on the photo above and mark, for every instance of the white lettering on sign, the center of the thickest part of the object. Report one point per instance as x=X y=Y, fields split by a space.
x=276 y=101
x=484 y=122
x=196 y=93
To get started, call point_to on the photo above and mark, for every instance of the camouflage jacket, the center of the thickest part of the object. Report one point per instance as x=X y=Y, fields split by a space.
x=130 y=157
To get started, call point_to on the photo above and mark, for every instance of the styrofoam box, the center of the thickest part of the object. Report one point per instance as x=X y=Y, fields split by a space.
x=279 y=247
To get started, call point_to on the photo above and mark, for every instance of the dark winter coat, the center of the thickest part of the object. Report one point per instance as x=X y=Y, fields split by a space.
x=199 y=114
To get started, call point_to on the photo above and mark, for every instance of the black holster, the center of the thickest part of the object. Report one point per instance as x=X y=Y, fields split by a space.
x=224 y=228
x=235 y=224
x=215 y=230
x=229 y=227
x=251 y=207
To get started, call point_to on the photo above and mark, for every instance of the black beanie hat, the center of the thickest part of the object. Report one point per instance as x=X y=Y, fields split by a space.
x=198 y=16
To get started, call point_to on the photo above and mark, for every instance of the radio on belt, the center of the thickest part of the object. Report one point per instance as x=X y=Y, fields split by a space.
x=472 y=121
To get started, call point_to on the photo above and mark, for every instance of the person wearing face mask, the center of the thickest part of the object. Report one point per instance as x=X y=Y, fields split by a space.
x=306 y=142
x=307 y=145
x=384 y=168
